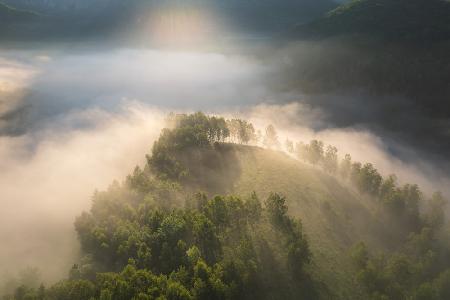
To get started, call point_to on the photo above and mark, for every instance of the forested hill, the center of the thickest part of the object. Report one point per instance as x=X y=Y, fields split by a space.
x=298 y=224
x=405 y=20
x=386 y=57
x=10 y=14
x=82 y=19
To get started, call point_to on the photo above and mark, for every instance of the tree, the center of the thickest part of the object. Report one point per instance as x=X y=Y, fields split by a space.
x=369 y=180
x=289 y=145
x=345 y=167
x=246 y=132
x=191 y=132
x=330 y=161
x=388 y=188
x=360 y=255
x=315 y=152
x=241 y=131
x=271 y=137
x=435 y=215
x=277 y=209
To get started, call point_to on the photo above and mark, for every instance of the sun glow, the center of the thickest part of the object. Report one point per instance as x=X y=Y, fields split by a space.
x=179 y=27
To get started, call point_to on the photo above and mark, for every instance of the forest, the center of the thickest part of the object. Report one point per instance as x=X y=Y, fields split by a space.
x=174 y=230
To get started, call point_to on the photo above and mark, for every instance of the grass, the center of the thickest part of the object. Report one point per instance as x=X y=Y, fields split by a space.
x=333 y=216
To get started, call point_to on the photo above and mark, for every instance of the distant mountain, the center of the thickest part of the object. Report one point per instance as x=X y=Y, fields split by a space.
x=272 y=15
x=419 y=20
x=57 y=7
x=260 y=16
x=384 y=64
x=8 y=13
x=13 y=21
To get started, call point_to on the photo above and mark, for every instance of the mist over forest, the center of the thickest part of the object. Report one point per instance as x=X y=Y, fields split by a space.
x=224 y=149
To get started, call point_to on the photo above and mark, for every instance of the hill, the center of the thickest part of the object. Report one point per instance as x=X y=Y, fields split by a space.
x=406 y=20
x=17 y=22
x=331 y=213
x=10 y=14
x=255 y=18
x=388 y=58
x=286 y=230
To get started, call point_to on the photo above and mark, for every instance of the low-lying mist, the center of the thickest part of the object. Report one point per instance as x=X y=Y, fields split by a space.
x=72 y=121
x=47 y=180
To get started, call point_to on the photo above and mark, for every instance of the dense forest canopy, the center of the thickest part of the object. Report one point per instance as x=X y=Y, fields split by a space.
x=157 y=236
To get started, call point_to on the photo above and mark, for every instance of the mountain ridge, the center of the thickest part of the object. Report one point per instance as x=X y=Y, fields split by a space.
x=399 y=20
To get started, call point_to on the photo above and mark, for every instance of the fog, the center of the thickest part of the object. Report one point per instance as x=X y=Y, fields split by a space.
x=74 y=120
x=47 y=181
x=298 y=122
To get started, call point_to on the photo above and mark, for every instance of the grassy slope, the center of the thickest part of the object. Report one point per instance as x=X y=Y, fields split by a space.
x=332 y=215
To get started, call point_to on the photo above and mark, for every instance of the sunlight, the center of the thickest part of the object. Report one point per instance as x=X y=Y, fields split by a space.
x=178 y=27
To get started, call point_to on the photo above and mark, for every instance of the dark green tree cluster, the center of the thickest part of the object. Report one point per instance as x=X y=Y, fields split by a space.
x=193 y=152
x=189 y=132
x=419 y=270
x=152 y=237
x=219 y=248
x=412 y=227
x=402 y=203
x=195 y=148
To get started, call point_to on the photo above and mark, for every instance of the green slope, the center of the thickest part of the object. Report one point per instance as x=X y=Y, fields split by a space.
x=422 y=20
x=154 y=236
x=331 y=213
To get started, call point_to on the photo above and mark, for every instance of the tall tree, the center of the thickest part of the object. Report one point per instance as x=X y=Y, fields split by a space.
x=271 y=137
x=330 y=162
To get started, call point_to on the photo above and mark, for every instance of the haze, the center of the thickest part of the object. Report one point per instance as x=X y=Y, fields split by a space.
x=76 y=115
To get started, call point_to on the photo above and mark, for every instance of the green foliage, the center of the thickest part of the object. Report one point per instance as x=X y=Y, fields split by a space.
x=193 y=153
x=151 y=238
x=407 y=274
x=190 y=131
x=411 y=20
x=205 y=249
